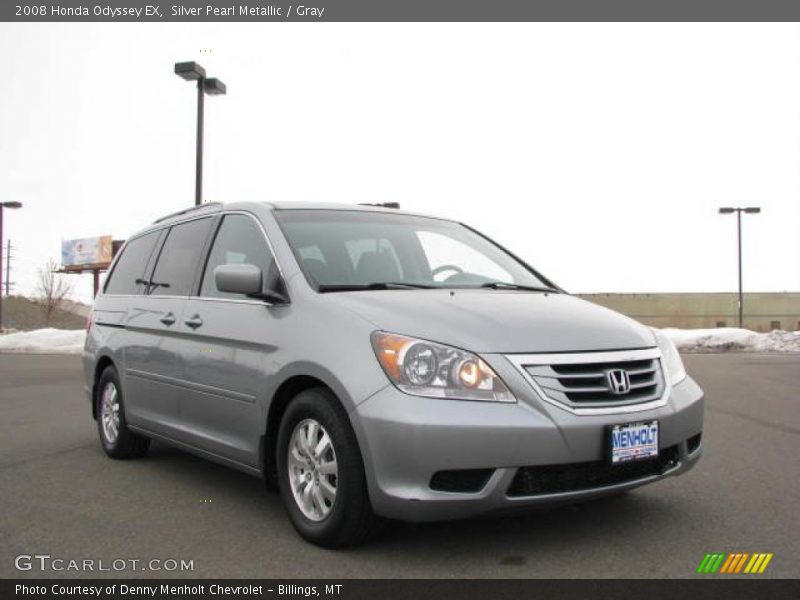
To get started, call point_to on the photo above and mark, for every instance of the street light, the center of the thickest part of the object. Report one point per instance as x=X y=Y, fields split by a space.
x=750 y=210
x=191 y=71
x=3 y=205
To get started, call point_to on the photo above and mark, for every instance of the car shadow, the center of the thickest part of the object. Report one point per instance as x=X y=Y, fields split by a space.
x=544 y=529
x=517 y=538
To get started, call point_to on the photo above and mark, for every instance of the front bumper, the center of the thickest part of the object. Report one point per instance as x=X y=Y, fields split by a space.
x=406 y=439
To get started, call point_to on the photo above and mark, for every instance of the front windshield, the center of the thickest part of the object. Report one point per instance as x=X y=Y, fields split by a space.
x=342 y=250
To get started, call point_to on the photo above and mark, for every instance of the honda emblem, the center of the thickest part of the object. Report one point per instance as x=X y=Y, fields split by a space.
x=619 y=382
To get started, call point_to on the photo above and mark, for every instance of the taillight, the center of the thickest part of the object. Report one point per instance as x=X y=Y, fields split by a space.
x=89 y=320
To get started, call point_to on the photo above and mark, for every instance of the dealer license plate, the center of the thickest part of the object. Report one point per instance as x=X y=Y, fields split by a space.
x=634 y=441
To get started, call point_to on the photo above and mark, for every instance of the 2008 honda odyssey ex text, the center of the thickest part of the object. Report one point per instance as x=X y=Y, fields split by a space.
x=370 y=362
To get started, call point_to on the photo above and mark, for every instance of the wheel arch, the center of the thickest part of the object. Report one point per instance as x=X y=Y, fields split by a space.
x=292 y=382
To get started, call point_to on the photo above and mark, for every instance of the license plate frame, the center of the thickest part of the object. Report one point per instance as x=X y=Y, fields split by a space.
x=619 y=452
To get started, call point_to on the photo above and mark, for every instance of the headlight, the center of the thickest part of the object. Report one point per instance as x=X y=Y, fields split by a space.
x=425 y=368
x=672 y=360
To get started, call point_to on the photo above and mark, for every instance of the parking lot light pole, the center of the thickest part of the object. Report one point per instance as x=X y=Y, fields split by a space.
x=191 y=71
x=4 y=205
x=750 y=210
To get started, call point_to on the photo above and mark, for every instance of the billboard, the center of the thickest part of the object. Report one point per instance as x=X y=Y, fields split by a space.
x=86 y=251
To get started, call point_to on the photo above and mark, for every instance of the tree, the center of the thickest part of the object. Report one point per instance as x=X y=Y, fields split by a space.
x=53 y=290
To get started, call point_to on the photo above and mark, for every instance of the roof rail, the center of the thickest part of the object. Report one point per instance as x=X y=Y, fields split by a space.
x=186 y=211
x=381 y=204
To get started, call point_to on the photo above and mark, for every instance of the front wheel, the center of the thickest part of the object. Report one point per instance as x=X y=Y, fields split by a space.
x=118 y=441
x=321 y=474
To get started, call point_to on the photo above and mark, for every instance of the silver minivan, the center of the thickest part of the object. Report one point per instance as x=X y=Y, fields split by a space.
x=370 y=363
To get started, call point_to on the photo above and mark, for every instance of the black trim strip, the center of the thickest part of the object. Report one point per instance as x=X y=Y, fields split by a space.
x=191 y=385
x=112 y=325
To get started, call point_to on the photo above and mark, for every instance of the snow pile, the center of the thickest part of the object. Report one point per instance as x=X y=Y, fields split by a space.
x=731 y=338
x=44 y=341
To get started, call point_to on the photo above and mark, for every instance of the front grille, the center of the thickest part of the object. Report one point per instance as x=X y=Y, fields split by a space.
x=575 y=477
x=460 y=480
x=588 y=384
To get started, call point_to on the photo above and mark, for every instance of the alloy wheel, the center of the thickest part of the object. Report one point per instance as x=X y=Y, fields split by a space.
x=109 y=412
x=313 y=470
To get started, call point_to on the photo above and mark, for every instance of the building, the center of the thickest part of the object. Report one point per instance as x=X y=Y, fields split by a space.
x=762 y=311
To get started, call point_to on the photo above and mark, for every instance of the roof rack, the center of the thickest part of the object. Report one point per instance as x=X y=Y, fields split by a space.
x=381 y=204
x=186 y=211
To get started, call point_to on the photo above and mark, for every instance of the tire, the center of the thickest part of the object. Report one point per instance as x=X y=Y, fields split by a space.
x=346 y=519
x=117 y=440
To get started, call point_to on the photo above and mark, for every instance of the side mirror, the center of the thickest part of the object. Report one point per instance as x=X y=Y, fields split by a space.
x=246 y=279
x=238 y=279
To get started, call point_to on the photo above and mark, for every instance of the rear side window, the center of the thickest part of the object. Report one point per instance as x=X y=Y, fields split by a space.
x=239 y=241
x=179 y=257
x=131 y=265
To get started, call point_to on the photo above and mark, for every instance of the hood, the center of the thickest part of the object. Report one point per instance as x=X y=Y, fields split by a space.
x=498 y=321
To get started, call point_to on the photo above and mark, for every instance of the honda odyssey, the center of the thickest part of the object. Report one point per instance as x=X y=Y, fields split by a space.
x=369 y=363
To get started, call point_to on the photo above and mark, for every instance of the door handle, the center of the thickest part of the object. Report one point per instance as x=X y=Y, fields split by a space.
x=194 y=322
x=168 y=319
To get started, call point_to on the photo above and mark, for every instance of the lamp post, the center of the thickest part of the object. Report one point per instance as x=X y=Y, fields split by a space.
x=4 y=205
x=191 y=71
x=750 y=210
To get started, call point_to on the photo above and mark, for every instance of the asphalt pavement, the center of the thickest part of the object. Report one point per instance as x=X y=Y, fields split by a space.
x=61 y=496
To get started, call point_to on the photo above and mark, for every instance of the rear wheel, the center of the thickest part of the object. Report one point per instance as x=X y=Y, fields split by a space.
x=321 y=474
x=118 y=441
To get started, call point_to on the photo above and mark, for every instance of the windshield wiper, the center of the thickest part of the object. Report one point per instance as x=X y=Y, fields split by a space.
x=501 y=285
x=377 y=285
